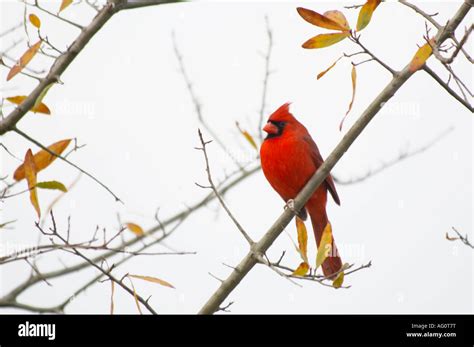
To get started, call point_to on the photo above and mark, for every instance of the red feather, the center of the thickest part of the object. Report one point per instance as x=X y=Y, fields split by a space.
x=289 y=158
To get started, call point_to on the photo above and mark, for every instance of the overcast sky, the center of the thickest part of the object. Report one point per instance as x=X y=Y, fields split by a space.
x=125 y=98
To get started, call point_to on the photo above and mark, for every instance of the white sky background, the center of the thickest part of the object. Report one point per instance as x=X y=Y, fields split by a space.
x=125 y=98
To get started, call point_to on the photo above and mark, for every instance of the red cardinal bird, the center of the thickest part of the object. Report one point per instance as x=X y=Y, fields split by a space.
x=289 y=158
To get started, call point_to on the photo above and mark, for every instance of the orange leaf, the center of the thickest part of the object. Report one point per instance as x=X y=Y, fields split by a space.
x=40 y=108
x=35 y=20
x=325 y=40
x=153 y=280
x=319 y=20
x=301 y=270
x=247 y=136
x=302 y=239
x=421 y=56
x=30 y=173
x=43 y=159
x=354 y=80
x=24 y=60
x=338 y=17
x=64 y=4
x=135 y=228
x=365 y=13
x=322 y=73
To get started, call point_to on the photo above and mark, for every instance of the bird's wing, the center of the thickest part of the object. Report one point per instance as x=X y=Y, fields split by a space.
x=318 y=161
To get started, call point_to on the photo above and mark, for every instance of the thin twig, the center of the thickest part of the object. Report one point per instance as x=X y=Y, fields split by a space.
x=216 y=192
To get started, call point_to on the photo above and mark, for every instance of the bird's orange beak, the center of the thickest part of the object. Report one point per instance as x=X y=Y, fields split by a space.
x=270 y=128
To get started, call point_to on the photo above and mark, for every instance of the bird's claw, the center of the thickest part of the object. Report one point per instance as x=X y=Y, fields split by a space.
x=290 y=204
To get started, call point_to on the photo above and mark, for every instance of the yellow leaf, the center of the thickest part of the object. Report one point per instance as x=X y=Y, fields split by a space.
x=43 y=159
x=153 y=280
x=135 y=228
x=322 y=73
x=30 y=173
x=339 y=280
x=337 y=283
x=324 y=246
x=55 y=185
x=247 y=136
x=325 y=40
x=354 y=80
x=339 y=18
x=135 y=296
x=64 y=4
x=319 y=20
x=421 y=55
x=24 y=60
x=40 y=97
x=302 y=239
x=301 y=270
x=35 y=20
x=365 y=13
x=39 y=108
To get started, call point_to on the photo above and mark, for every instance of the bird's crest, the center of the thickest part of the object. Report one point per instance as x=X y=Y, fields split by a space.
x=282 y=114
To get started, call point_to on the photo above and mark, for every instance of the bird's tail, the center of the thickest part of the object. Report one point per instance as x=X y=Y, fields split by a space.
x=319 y=219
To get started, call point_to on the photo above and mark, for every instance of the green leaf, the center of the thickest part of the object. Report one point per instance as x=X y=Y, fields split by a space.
x=52 y=185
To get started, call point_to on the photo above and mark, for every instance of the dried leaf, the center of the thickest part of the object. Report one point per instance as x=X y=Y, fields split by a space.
x=30 y=173
x=40 y=108
x=302 y=239
x=135 y=296
x=322 y=73
x=365 y=13
x=153 y=280
x=319 y=20
x=449 y=238
x=24 y=60
x=65 y=4
x=324 y=40
x=43 y=159
x=324 y=246
x=112 y=306
x=52 y=185
x=247 y=136
x=301 y=270
x=338 y=17
x=135 y=228
x=40 y=97
x=421 y=56
x=35 y=20
x=354 y=80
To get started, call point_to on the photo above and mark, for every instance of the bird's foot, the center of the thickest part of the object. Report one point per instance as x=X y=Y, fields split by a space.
x=290 y=204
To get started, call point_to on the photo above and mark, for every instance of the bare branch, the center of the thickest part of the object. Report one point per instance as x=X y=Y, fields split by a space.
x=195 y=100
x=266 y=76
x=446 y=87
x=216 y=192
x=402 y=156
